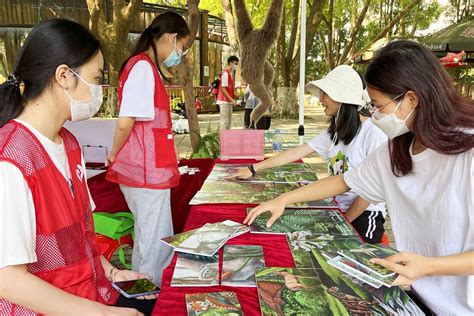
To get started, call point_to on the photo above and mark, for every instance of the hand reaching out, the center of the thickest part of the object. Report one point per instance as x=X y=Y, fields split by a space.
x=275 y=206
x=409 y=266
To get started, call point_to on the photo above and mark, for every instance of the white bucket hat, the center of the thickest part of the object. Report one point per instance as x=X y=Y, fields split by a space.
x=342 y=84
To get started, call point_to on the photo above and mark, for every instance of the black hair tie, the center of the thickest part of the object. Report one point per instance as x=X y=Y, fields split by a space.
x=13 y=80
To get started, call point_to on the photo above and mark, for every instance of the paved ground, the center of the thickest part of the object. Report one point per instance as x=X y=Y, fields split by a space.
x=315 y=122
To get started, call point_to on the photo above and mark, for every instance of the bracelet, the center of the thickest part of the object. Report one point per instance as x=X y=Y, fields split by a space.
x=252 y=170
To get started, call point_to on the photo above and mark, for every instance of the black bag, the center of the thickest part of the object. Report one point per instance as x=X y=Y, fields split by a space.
x=215 y=84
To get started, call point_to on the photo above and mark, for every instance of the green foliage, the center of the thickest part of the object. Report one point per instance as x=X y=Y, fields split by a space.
x=297 y=301
x=174 y=104
x=375 y=21
x=213 y=6
x=335 y=306
x=209 y=145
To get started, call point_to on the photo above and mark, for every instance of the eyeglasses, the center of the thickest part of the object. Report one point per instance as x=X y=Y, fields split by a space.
x=373 y=108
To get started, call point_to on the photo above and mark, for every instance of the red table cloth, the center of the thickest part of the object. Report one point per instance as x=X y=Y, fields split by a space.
x=109 y=198
x=171 y=300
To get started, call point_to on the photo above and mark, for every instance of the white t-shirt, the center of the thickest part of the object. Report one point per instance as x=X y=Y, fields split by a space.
x=17 y=210
x=138 y=94
x=224 y=83
x=341 y=158
x=225 y=79
x=432 y=214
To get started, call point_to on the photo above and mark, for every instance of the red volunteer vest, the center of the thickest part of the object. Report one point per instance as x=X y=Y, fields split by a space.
x=230 y=88
x=148 y=158
x=67 y=255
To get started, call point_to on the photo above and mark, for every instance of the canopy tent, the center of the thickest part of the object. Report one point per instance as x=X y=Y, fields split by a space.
x=454 y=38
x=366 y=55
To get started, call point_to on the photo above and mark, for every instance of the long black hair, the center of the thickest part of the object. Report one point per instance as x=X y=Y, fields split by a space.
x=48 y=45
x=443 y=120
x=168 y=22
x=348 y=121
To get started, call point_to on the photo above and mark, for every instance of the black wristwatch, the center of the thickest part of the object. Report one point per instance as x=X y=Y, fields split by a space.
x=252 y=170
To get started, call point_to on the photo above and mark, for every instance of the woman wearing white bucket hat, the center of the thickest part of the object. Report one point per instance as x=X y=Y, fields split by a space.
x=425 y=175
x=350 y=137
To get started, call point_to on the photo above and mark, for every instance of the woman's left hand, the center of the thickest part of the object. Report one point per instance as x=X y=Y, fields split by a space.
x=127 y=275
x=409 y=266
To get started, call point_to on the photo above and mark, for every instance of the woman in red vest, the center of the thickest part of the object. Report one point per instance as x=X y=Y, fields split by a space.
x=143 y=158
x=49 y=263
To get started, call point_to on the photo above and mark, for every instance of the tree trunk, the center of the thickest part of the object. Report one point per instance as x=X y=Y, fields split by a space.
x=230 y=23
x=280 y=54
x=286 y=103
x=292 y=61
x=12 y=42
x=110 y=105
x=356 y=23
x=186 y=71
x=395 y=20
x=114 y=39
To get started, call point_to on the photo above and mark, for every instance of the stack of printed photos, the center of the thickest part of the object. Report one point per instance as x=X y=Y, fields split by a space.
x=195 y=271
x=316 y=221
x=356 y=262
x=198 y=260
x=212 y=304
x=220 y=187
x=206 y=240
x=314 y=287
x=240 y=263
x=238 y=268
x=290 y=173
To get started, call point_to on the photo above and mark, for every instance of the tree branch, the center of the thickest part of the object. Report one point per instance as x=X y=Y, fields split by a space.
x=294 y=30
x=230 y=23
x=395 y=20
x=131 y=9
x=354 y=32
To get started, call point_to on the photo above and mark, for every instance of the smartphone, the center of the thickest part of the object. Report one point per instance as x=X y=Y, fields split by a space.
x=134 y=288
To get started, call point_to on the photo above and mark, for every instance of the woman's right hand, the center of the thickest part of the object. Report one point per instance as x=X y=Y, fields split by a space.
x=110 y=159
x=120 y=311
x=275 y=206
x=242 y=173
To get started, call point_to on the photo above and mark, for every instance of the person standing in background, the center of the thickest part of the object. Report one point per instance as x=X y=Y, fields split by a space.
x=226 y=95
x=143 y=160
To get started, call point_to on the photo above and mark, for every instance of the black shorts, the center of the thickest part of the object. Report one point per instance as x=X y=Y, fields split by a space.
x=369 y=225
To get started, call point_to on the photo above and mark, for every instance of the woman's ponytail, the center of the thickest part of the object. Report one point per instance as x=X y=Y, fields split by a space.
x=168 y=22
x=11 y=101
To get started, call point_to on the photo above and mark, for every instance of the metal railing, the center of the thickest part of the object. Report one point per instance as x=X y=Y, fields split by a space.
x=203 y=93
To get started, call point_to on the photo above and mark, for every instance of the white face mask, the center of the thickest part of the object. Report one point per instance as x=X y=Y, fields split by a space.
x=83 y=110
x=390 y=124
